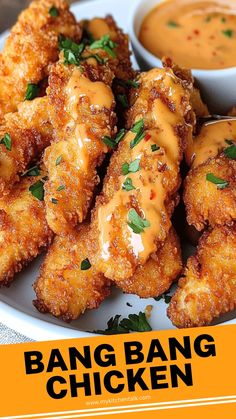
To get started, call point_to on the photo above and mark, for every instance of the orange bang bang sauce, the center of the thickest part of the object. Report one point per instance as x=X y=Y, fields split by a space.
x=195 y=34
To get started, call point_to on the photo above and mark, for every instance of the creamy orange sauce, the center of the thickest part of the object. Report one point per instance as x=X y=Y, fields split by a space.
x=98 y=28
x=150 y=190
x=194 y=33
x=210 y=142
x=97 y=93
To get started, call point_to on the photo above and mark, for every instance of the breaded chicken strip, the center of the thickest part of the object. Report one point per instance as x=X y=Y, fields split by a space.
x=132 y=215
x=159 y=272
x=83 y=116
x=24 y=135
x=63 y=288
x=209 y=203
x=210 y=187
x=31 y=47
x=208 y=288
x=24 y=232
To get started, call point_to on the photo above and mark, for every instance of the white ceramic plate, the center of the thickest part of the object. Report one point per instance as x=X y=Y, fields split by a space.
x=16 y=309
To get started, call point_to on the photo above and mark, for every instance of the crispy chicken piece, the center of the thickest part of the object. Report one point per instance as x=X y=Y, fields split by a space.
x=66 y=291
x=31 y=47
x=159 y=272
x=132 y=215
x=24 y=232
x=83 y=114
x=208 y=288
x=63 y=289
x=209 y=203
x=206 y=203
x=30 y=132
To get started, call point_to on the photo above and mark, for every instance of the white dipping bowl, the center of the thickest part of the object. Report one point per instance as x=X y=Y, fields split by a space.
x=218 y=87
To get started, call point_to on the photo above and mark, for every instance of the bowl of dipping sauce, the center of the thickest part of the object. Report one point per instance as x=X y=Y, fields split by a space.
x=196 y=34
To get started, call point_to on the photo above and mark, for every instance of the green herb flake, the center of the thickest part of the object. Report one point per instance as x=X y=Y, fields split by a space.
x=134 y=323
x=228 y=32
x=54 y=201
x=138 y=129
x=106 y=44
x=53 y=11
x=223 y=19
x=230 y=151
x=72 y=51
x=32 y=91
x=33 y=171
x=155 y=147
x=132 y=83
x=61 y=188
x=128 y=184
x=221 y=183
x=172 y=24
x=132 y=167
x=123 y=100
x=37 y=189
x=85 y=265
x=165 y=296
x=136 y=223
x=58 y=160
x=113 y=142
x=6 y=140
x=96 y=57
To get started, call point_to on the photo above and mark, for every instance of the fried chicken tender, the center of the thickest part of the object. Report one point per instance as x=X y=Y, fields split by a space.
x=24 y=232
x=208 y=288
x=30 y=49
x=159 y=272
x=132 y=215
x=63 y=289
x=82 y=114
x=206 y=203
x=66 y=291
x=30 y=133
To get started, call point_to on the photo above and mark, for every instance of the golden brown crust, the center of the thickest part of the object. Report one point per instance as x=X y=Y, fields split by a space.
x=160 y=271
x=63 y=289
x=205 y=203
x=208 y=288
x=80 y=180
x=31 y=47
x=31 y=132
x=24 y=232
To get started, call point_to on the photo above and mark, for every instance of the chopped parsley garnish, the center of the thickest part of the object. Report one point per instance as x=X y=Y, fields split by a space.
x=128 y=184
x=53 y=11
x=85 y=265
x=72 y=51
x=96 y=57
x=134 y=323
x=37 y=189
x=31 y=91
x=228 y=32
x=172 y=24
x=127 y=83
x=58 y=160
x=132 y=167
x=54 y=201
x=154 y=147
x=33 y=171
x=106 y=44
x=113 y=142
x=6 y=140
x=136 y=223
x=123 y=100
x=138 y=129
x=61 y=188
x=230 y=151
x=165 y=296
x=221 y=183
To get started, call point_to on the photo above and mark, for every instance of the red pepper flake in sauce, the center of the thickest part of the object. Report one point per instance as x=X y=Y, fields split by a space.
x=147 y=137
x=152 y=195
